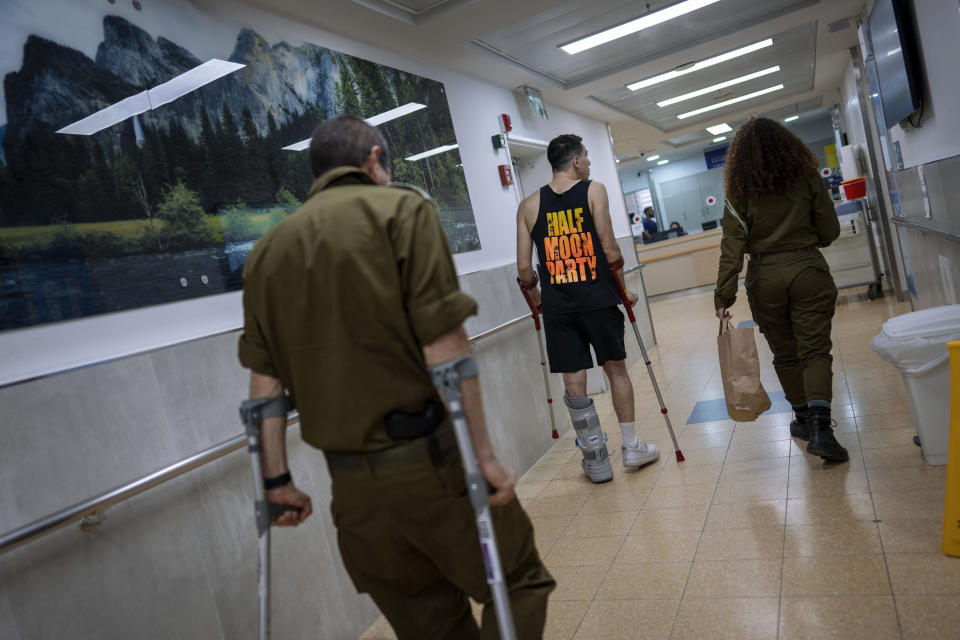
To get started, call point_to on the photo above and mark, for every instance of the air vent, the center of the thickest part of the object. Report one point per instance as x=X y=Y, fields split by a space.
x=839 y=25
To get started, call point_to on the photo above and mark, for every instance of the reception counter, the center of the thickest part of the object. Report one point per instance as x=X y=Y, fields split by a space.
x=680 y=263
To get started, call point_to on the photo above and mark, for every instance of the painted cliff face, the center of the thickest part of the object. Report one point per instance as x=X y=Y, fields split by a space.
x=165 y=204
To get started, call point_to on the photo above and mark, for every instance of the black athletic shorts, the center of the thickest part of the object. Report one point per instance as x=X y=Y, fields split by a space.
x=570 y=335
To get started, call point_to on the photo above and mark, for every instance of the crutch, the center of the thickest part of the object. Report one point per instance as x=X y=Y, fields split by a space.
x=643 y=350
x=447 y=377
x=535 y=314
x=252 y=415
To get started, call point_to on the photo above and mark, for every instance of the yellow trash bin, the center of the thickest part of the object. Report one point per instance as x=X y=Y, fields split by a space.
x=951 y=512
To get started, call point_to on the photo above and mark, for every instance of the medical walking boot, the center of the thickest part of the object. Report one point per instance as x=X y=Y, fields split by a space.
x=822 y=442
x=800 y=426
x=639 y=453
x=591 y=439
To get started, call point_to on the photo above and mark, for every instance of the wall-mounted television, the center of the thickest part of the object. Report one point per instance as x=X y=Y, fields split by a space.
x=895 y=54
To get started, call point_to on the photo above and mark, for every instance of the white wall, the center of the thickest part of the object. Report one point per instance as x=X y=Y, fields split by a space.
x=633 y=175
x=938 y=28
x=474 y=106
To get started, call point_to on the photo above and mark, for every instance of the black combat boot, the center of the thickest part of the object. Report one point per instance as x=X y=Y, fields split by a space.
x=822 y=443
x=800 y=427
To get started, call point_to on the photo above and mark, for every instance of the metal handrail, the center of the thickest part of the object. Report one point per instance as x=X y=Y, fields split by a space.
x=925 y=229
x=91 y=511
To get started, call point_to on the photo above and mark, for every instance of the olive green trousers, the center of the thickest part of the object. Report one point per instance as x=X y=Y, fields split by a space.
x=407 y=535
x=793 y=297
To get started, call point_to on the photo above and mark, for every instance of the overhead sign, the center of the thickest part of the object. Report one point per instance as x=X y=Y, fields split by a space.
x=716 y=157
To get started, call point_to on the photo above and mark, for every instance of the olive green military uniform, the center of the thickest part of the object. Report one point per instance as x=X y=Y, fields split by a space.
x=789 y=287
x=339 y=299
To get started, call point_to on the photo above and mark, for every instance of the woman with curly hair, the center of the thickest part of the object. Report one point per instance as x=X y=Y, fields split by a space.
x=778 y=211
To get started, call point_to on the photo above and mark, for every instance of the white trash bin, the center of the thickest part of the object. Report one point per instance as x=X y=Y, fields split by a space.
x=916 y=343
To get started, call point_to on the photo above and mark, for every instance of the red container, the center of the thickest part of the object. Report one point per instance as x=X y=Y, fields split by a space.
x=856 y=188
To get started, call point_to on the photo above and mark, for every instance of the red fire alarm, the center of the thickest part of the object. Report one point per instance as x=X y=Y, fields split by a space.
x=506 y=175
x=505 y=124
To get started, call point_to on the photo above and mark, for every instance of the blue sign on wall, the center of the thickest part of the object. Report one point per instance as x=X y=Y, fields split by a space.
x=716 y=157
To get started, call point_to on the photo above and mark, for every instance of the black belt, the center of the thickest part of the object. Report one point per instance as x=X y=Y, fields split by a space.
x=772 y=256
x=435 y=448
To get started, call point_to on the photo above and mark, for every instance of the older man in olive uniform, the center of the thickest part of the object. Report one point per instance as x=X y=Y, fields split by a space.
x=346 y=303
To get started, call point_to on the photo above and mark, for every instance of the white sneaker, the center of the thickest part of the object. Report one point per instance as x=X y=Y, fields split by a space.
x=639 y=453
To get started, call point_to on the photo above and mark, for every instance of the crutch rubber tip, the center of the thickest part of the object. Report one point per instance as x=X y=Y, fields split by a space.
x=679 y=456
x=556 y=436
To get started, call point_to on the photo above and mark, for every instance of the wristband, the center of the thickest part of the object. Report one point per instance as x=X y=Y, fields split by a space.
x=276 y=482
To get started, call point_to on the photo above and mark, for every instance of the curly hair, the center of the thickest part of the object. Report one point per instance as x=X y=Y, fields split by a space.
x=765 y=158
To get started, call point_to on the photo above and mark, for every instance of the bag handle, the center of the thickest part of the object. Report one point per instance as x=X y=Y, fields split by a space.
x=725 y=325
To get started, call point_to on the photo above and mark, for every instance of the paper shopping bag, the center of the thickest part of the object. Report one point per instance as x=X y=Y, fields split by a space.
x=740 y=371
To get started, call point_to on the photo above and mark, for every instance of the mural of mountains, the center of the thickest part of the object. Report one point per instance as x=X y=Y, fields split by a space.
x=57 y=85
x=222 y=141
x=121 y=218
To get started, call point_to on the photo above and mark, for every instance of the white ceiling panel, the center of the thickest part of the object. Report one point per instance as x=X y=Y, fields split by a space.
x=534 y=41
x=793 y=51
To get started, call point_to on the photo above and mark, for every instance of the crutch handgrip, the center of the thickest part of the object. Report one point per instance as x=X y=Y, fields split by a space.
x=614 y=266
x=524 y=288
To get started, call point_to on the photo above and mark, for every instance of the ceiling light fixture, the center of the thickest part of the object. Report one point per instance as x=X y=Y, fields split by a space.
x=393 y=114
x=727 y=103
x=717 y=129
x=431 y=152
x=703 y=64
x=722 y=85
x=720 y=138
x=160 y=95
x=662 y=162
x=652 y=158
x=791 y=118
x=633 y=26
x=373 y=121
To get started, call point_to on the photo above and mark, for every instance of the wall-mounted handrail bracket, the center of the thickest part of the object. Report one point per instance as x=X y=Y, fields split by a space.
x=93 y=519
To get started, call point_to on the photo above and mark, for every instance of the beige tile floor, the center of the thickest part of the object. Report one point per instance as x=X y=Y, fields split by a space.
x=750 y=537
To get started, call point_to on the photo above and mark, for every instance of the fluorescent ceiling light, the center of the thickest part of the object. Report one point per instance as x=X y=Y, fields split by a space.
x=531 y=142
x=727 y=103
x=633 y=26
x=720 y=138
x=393 y=114
x=105 y=118
x=717 y=129
x=298 y=146
x=373 y=121
x=791 y=118
x=662 y=162
x=158 y=96
x=191 y=80
x=431 y=152
x=703 y=64
x=722 y=85
x=652 y=158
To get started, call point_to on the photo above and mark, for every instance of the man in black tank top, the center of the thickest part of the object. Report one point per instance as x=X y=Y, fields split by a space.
x=568 y=221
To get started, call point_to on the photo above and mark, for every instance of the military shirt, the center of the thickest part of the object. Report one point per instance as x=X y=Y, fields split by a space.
x=340 y=297
x=802 y=216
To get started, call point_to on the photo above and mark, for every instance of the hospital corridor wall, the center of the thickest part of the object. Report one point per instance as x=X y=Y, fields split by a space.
x=180 y=559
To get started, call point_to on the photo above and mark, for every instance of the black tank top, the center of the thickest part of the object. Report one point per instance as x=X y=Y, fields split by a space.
x=574 y=273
